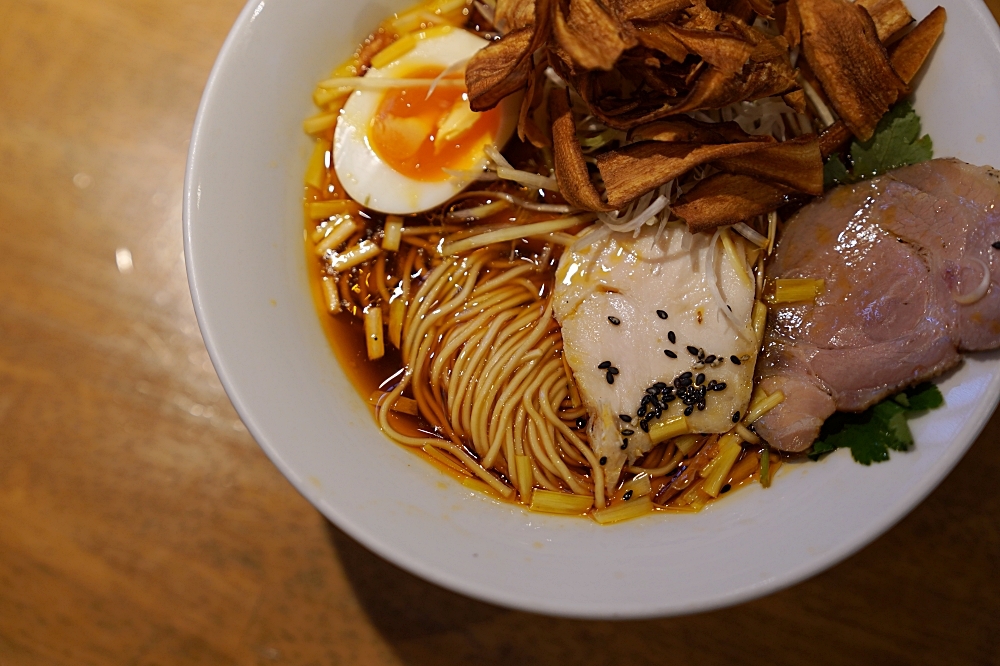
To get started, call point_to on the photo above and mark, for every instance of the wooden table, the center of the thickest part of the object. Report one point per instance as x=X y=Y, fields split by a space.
x=140 y=523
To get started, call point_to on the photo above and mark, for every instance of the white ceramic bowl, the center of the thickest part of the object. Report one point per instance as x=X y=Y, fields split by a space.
x=246 y=267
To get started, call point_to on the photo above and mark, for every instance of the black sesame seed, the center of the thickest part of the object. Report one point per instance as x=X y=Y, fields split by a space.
x=613 y=370
x=672 y=337
x=659 y=386
x=628 y=495
x=581 y=422
x=624 y=444
x=688 y=410
x=726 y=488
x=710 y=359
x=669 y=353
x=625 y=417
x=721 y=386
x=686 y=375
x=644 y=425
x=701 y=406
x=604 y=365
x=614 y=320
x=692 y=350
x=700 y=379
x=661 y=314
x=735 y=359
x=610 y=377
x=603 y=459
x=996 y=246
x=628 y=431
x=736 y=417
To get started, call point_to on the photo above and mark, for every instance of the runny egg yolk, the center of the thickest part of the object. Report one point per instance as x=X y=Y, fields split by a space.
x=405 y=131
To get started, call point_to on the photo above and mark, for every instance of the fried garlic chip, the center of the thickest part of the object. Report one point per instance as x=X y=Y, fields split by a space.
x=727 y=199
x=841 y=44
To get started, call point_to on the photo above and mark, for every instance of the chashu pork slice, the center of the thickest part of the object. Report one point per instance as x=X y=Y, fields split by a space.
x=912 y=280
x=642 y=322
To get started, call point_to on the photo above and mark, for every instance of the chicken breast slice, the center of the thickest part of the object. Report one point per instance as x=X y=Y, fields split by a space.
x=646 y=337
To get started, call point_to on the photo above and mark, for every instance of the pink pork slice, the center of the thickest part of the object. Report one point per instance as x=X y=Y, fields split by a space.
x=900 y=254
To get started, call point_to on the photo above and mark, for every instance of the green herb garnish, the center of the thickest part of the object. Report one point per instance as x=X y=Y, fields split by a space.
x=895 y=143
x=873 y=432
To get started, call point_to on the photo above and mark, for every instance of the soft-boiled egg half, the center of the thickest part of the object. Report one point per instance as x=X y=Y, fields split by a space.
x=402 y=150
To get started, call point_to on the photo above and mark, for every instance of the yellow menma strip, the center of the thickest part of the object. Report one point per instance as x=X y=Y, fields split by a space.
x=795 y=290
x=406 y=43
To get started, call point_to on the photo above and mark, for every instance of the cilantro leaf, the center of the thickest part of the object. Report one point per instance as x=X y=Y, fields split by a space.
x=895 y=143
x=923 y=397
x=871 y=434
x=835 y=173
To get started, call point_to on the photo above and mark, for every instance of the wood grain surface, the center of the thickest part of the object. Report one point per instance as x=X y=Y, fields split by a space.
x=141 y=524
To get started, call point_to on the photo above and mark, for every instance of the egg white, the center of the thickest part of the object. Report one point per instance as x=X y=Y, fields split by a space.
x=373 y=183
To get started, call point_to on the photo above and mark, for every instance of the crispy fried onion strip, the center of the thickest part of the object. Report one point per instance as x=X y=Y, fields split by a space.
x=513 y=15
x=725 y=51
x=640 y=167
x=571 y=169
x=659 y=37
x=499 y=70
x=768 y=72
x=889 y=16
x=503 y=67
x=589 y=35
x=906 y=57
x=841 y=44
x=796 y=163
x=911 y=51
x=629 y=10
x=693 y=131
x=728 y=199
x=590 y=44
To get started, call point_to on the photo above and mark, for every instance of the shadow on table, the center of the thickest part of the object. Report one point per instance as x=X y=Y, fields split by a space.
x=925 y=592
x=426 y=624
